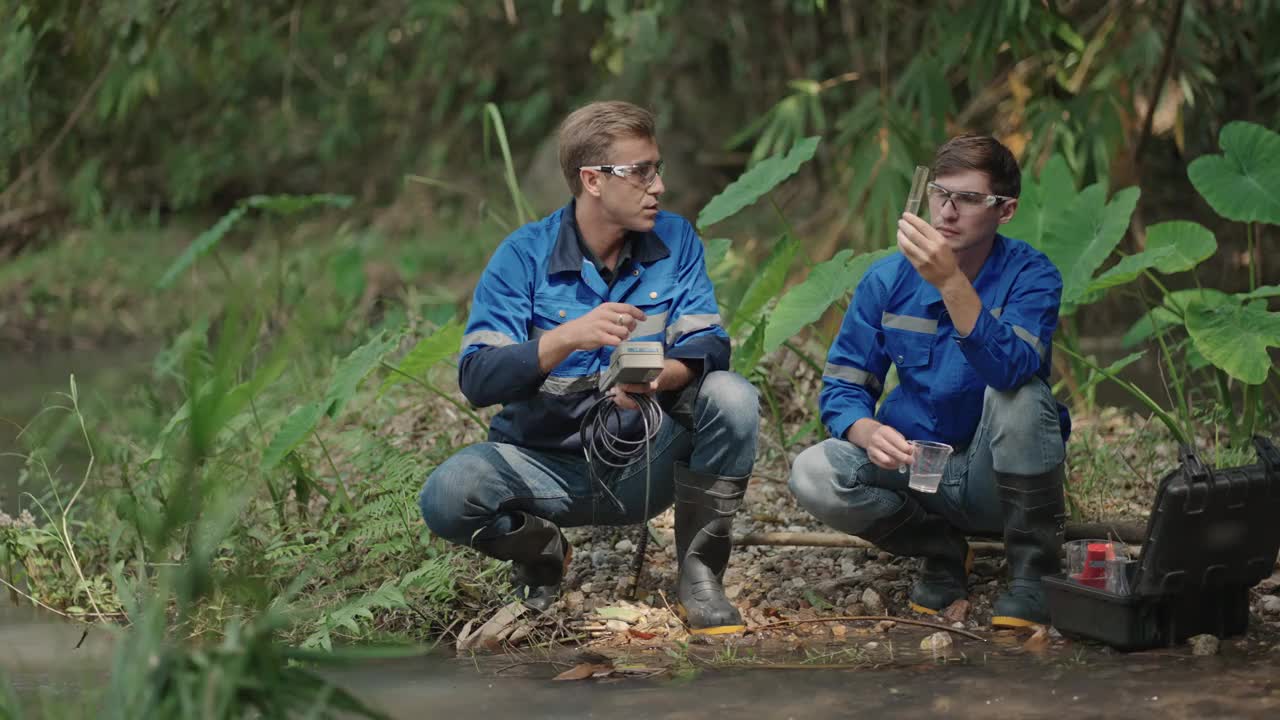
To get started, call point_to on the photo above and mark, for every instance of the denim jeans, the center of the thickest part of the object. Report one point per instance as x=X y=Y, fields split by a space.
x=474 y=493
x=1019 y=434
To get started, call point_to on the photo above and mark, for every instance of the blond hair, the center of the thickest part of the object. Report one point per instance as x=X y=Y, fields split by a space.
x=587 y=135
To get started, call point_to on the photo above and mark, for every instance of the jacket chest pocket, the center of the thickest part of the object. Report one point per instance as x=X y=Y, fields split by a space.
x=550 y=312
x=908 y=349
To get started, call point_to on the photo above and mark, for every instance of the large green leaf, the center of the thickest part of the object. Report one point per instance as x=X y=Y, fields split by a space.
x=757 y=181
x=353 y=369
x=1171 y=247
x=717 y=259
x=1170 y=314
x=1191 y=243
x=1244 y=182
x=766 y=285
x=806 y=302
x=747 y=354
x=434 y=348
x=294 y=430
x=1235 y=337
x=1079 y=239
x=202 y=245
x=1041 y=200
x=1129 y=268
x=1266 y=291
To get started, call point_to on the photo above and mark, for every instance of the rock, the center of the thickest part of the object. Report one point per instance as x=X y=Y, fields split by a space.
x=1203 y=644
x=624 y=545
x=573 y=600
x=1270 y=584
x=871 y=600
x=587 y=588
x=733 y=591
x=936 y=642
x=884 y=557
x=1269 y=604
x=797 y=582
x=957 y=611
x=599 y=558
x=617 y=626
x=890 y=573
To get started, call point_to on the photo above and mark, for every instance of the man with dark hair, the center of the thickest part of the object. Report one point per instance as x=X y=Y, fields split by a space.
x=556 y=298
x=967 y=317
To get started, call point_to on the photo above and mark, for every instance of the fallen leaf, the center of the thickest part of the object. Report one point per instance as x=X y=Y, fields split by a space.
x=625 y=614
x=465 y=633
x=839 y=630
x=641 y=634
x=957 y=611
x=816 y=601
x=584 y=671
x=1039 y=640
x=499 y=626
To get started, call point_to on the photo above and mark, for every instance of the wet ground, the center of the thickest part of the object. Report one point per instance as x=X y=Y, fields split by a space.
x=758 y=678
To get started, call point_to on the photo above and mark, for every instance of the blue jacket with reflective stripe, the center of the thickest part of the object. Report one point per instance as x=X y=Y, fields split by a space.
x=898 y=318
x=537 y=280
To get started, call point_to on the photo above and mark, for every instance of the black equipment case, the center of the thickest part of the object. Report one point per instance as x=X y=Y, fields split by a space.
x=1212 y=535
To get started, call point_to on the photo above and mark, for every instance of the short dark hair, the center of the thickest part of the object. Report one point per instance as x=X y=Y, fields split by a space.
x=983 y=153
x=587 y=135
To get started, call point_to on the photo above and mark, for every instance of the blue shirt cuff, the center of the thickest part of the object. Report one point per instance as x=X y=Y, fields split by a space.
x=841 y=423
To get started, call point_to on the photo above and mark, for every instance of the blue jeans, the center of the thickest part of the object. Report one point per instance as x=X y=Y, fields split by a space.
x=1019 y=434
x=474 y=493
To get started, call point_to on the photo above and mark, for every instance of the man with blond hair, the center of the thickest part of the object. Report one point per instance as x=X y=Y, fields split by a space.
x=967 y=317
x=556 y=298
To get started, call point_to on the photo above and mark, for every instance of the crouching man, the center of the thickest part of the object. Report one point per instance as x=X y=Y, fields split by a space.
x=555 y=299
x=967 y=317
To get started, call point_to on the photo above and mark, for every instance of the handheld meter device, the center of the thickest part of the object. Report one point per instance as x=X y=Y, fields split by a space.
x=636 y=362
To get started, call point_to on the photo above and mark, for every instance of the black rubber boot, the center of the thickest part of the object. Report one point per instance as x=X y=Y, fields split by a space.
x=914 y=532
x=1034 y=512
x=539 y=556
x=705 y=505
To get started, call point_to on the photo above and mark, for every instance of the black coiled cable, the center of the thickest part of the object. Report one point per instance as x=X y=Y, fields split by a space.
x=601 y=445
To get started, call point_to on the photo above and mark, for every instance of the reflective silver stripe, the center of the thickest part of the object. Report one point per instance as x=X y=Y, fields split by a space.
x=558 y=385
x=909 y=323
x=857 y=376
x=690 y=323
x=652 y=325
x=997 y=312
x=487 y=337
x=1030 y=337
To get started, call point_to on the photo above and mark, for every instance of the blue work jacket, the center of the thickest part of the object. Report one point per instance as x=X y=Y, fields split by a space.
x=898 y=318
x=539 y=279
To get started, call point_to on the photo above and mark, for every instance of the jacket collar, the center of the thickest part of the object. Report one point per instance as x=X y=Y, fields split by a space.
x=646 y=247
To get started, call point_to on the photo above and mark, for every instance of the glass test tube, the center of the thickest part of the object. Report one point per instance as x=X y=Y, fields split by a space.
x=919 y=180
